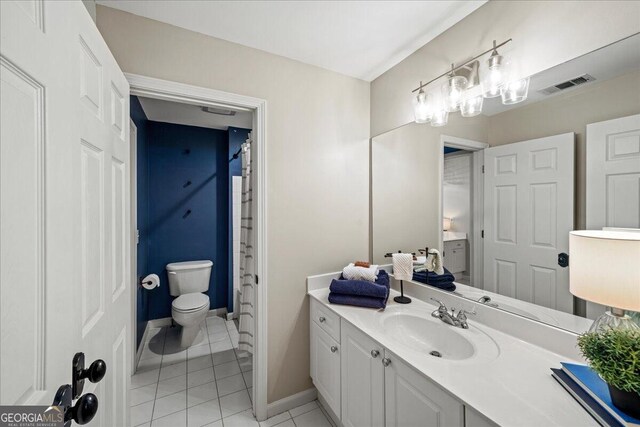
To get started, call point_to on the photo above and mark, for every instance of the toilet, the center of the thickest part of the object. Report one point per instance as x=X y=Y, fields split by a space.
x=187 y=281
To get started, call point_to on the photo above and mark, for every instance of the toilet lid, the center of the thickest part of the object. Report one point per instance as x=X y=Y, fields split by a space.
x=190 y=302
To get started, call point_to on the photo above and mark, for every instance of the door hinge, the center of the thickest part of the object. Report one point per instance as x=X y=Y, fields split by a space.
x=482 y=234
x=256 y=279
x=482 y=168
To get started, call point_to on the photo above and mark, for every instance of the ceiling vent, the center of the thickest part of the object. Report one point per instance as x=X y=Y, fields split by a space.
x=585 y=78
x=218 y=111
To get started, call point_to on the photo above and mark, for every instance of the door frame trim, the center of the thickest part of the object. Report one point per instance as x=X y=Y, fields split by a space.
x=188 y=94
x=477 y=198
x=133 y=241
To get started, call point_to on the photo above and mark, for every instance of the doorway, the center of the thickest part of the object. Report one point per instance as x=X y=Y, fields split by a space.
x=462 y=206
x=250 y=367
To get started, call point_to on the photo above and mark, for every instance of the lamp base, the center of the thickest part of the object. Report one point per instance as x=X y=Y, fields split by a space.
x=615 y=319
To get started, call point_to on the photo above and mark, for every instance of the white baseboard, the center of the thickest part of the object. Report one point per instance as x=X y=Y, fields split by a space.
x=291 y=402
x=141 y=346
x=166 y=321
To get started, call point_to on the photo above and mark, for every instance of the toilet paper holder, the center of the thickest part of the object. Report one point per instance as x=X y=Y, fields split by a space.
x=149 y=282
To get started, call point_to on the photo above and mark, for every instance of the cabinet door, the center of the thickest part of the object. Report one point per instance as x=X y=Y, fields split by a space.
x=412 y=400
x=325 y=366
x=362 y=379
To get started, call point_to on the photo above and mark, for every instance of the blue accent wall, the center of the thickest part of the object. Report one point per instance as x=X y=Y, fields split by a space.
x=237 y=137
x=448 y=150
x=178 y=154
x=142 y=297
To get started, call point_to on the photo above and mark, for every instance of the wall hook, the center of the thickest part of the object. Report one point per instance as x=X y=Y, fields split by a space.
x=186 y=184
x=186 y=214
x=186 y=151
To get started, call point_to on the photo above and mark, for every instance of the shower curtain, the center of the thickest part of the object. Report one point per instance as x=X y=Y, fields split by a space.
x=247 y=265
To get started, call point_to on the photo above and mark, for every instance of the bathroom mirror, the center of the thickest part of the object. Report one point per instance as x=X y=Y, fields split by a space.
x=498 y=193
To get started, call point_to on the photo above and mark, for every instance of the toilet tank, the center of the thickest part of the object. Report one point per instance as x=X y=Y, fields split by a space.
x=189 y=277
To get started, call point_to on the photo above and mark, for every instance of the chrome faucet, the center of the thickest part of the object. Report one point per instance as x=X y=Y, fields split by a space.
x=486 y=300
x=442 y=313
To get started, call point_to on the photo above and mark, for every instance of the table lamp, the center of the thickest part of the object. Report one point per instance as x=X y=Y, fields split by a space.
x=604 y=267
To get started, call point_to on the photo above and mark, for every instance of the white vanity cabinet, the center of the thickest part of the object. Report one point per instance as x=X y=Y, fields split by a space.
x=365 y=384
x=362 y=379
x=454 y=255
x=412 y=400
x=325 y=354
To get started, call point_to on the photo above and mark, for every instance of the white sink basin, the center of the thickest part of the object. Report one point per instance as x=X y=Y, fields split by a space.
x=432 y=337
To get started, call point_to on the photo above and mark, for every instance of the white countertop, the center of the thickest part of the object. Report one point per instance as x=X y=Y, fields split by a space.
x=448 y=236
x=515 y=388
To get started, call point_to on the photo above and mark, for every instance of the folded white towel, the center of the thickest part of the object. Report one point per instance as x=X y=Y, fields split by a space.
x=434 y=262
x=402 y=266
x=351 y=272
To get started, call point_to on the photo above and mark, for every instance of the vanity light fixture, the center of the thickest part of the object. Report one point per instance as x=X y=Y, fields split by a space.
x=494 y=79
x=472 y=101
x=514 y=91
x=465 y=91
x=422 y=109
x=446 y=224
x=453 y=90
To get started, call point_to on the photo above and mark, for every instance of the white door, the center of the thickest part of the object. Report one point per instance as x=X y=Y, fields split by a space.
x=412 y=400
x=64 y=176
x=325 y=366
x=613 y=178
x=362 y=379
x=528 y=213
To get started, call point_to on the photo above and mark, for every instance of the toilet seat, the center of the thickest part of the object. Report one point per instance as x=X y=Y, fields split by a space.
x=187 y=303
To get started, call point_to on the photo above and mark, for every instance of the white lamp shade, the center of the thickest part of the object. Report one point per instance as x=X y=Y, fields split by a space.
x=446 y=224
x=604 y=267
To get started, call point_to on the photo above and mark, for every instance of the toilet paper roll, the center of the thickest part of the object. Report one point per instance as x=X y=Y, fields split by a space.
x=152 y=281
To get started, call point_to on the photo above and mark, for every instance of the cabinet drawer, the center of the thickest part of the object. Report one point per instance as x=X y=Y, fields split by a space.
x=454 y=244
x=326 y=319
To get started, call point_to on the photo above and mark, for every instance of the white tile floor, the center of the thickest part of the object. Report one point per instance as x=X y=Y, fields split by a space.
x=207 y=384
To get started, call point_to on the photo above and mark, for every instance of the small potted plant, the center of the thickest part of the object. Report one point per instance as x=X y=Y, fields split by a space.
x=614 y=354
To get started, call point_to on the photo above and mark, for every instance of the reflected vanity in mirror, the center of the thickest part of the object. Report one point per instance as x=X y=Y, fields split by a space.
x=498 y=193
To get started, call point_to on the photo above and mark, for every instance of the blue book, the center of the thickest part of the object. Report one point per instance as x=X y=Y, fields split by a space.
x=591 y=382
x=601 y=415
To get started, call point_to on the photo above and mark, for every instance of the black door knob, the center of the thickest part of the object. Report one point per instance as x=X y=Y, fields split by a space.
x=96 y=371
x=78 y=373
x=85 y=409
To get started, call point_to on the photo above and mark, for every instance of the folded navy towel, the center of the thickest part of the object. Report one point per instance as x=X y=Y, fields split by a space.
x=441 y=281
x=359 y=301
x=379 y=289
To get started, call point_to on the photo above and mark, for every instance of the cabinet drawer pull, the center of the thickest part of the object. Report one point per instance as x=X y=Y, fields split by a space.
x=334 y=349
x=322 y=319
x=386 y=362
x=375 y=353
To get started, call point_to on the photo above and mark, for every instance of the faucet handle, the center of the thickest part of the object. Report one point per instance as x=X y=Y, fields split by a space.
x=462 y=314
x=439 y=302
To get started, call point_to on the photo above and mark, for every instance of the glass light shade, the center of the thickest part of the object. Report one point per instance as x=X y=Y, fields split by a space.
x=494 y=76
x=604 y=269
x=446 y=224
x=515 y=91
x=422 y=108
x=452 y=92
x=471 y=102
x=440 y=118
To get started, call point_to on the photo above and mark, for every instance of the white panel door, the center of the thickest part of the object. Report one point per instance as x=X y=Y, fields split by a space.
x=64 y=175
x=528 y=213
x=613 y=178
x=325 y=366
x=362 y=379
x=411 y=400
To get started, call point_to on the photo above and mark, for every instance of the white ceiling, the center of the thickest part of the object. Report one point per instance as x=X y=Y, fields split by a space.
x=177 y=113
x=362 y=39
